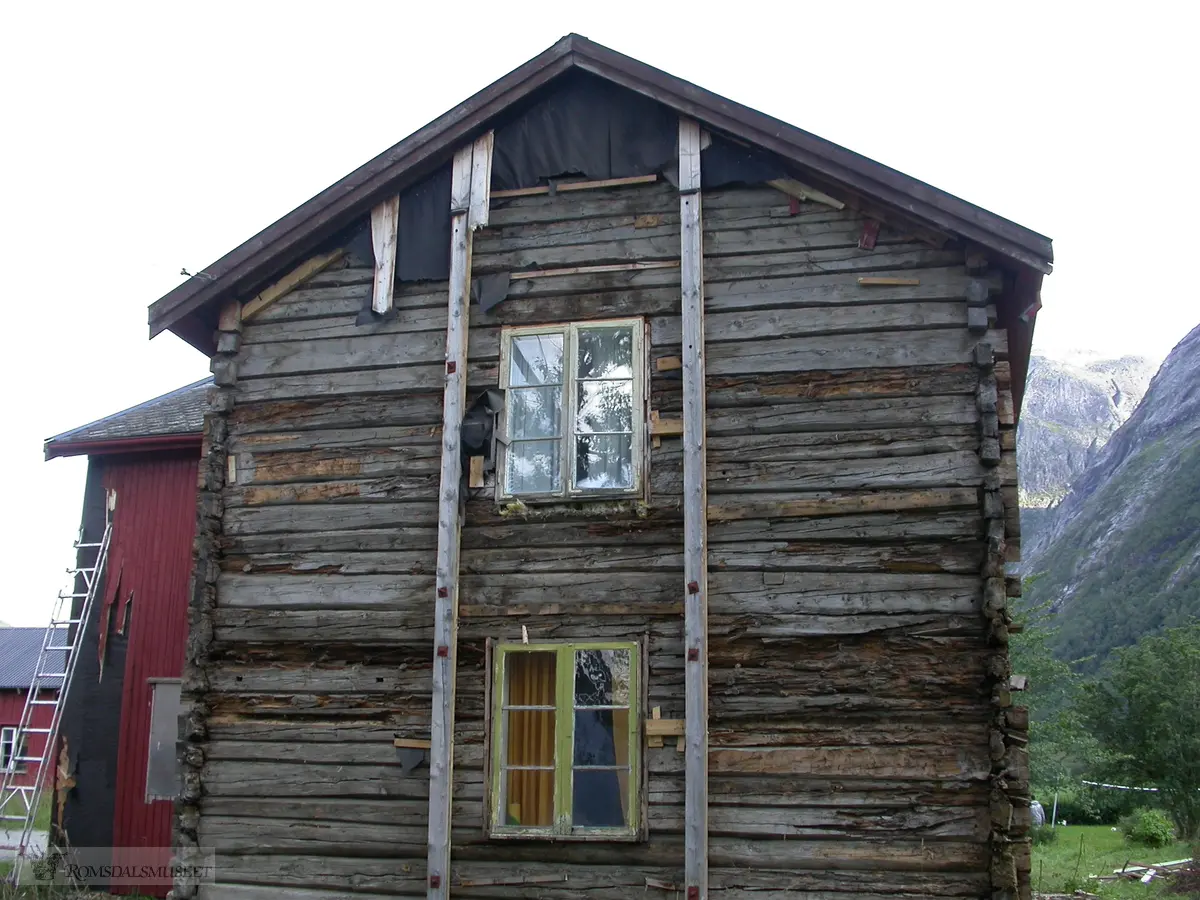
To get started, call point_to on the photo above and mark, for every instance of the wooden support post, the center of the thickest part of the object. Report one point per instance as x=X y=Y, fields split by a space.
x=385 y=219
x=467 y=164
x=695 y=522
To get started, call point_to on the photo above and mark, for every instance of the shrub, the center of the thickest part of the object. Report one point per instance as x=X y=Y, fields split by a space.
x=1148 y=826
x=1043 y=834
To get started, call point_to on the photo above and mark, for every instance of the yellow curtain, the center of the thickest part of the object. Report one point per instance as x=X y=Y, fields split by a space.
x=529 y=796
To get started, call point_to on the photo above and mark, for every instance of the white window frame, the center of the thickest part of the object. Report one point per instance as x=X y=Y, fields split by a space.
x=641 y=366
x=8 y=748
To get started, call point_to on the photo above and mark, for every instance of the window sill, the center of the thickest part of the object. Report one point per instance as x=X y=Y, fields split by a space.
x=623 y=504
x=624 y=837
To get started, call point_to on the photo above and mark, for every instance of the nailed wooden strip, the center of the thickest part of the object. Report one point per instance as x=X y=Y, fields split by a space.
x=289 y=282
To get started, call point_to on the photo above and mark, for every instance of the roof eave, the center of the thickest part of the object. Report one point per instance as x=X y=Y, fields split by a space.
x=336 y=206
x=55 y=449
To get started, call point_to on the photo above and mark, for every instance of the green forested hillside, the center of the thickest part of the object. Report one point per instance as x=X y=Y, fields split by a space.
x=1120 y=556
x=1147 y=577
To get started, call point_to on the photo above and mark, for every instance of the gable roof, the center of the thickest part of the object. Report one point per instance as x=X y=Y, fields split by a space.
x=19 y=649
x=190 y=309
x=173 y=419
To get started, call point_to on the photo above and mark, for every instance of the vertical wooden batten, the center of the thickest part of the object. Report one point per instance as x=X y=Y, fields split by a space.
x=472 y=173
x=385 y=220
x=695 y=525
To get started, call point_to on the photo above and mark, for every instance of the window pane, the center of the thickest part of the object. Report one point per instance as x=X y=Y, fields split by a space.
x=604 y=406
x=602 y=678
x=534 y=467
x=529 y=738
x=528 y=798
x=162 y=773
x=535 y=412
x=536 y=359
x=531 y=678
x=600 y=799
x=606 y=353
x=604 y=461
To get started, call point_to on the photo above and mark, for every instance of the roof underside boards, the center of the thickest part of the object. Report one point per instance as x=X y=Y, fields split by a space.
x=19 y=649
x=173 y=419
x=190 y=309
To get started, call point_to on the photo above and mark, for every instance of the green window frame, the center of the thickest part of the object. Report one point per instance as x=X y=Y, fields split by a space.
x=564 y=768
x=575 y=398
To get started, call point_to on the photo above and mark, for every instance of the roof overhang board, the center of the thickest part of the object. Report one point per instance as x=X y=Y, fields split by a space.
x=56 y=449
x=302 y=230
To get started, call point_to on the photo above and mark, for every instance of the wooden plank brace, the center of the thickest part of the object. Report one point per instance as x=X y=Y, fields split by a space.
x=472 y=165
x=695 y=523
x=385 y=221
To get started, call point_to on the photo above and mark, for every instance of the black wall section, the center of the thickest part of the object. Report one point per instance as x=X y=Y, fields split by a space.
x=424 y=234
x=91 y=714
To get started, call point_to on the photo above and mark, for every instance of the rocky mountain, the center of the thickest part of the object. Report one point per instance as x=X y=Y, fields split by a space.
x=1119 y=556
x=1072 y=407
x=1073 y=404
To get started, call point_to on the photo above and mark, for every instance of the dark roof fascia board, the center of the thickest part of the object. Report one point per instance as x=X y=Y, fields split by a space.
x=56 y=449
x=874 y=179
x=301 y=230
x=336 y=206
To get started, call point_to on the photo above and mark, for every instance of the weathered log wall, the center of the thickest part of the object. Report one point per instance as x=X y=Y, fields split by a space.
x=856 y=684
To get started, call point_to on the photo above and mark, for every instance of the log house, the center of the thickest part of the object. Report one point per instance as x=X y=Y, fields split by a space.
x=607 y=490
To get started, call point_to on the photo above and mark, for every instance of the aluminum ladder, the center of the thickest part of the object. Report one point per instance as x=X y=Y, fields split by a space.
x=19 y=801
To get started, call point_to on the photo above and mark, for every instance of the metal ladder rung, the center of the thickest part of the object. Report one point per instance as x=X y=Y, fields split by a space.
x=50 y=674
x=36 y=730
x=27 y=759
x=59 y=623
x=43 y=702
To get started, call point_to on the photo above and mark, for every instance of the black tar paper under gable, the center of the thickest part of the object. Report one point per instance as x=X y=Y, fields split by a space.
x=423 y=236
x=584 y=127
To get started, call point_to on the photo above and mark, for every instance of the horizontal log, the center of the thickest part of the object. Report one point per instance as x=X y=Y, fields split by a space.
x=782 y=388
x=378 y=382
x=826 y=503
x=269 y=779
x=943 y=346
x=378 y=627
x=838 y=824
x=517 y=557
x=831 y=415
x=785 y=627
x=932 y=470
x=753 y=325
x=261 y=422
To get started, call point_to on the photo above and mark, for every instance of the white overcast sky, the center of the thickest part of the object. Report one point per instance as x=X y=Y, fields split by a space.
x=139 y=139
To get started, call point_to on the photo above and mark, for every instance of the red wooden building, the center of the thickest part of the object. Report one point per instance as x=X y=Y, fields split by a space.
x=120 y=716
x=19 y=649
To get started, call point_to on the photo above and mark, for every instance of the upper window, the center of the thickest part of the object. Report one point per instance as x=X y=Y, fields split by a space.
x=565 y=745
x=575 y=409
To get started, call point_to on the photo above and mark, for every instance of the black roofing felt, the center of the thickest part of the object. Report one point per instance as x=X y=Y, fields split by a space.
x=19 y=648
x=179 y=412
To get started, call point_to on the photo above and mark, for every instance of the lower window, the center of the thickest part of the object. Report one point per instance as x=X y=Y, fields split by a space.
x=565 y=745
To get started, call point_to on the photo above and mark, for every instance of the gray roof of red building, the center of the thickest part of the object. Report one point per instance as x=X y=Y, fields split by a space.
x=19 y=648
x=176 y=414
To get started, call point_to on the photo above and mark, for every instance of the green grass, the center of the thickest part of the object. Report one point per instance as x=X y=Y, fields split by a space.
x=1082 y=850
